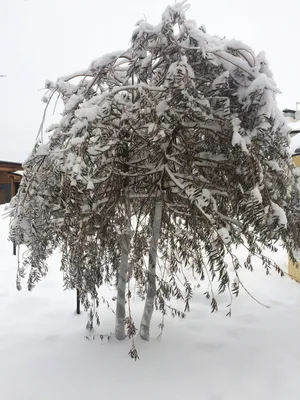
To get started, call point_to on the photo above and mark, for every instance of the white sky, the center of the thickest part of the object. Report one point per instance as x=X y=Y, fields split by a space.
x=44 y=39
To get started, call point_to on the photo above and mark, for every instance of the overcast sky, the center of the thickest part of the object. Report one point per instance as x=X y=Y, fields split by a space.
x=44 y=39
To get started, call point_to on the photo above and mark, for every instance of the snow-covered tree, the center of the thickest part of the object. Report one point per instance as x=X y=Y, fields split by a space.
x=175 y=149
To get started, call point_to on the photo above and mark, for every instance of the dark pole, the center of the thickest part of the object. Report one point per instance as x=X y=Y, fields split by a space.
x=77 y=301
x=14 y=249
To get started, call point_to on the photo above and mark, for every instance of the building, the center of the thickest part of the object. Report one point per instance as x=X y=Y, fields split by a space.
x=289 y=113
x=10 y=178
x=293 y=120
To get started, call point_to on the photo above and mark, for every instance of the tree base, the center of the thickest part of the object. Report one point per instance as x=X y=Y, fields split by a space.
x=120 y=335
x=144 y=333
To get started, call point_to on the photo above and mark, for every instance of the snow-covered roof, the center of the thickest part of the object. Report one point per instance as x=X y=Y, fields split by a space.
x=295 y=125
x=295 y=140
x=295 y=143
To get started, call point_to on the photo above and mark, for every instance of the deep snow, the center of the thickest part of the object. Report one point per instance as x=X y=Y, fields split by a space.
x=255 y=354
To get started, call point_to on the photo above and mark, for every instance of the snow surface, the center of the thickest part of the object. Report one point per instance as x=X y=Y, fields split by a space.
x=255 y=354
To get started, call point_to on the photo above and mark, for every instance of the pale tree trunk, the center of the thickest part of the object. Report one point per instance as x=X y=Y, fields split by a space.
x=151 y=292
x=122 y=279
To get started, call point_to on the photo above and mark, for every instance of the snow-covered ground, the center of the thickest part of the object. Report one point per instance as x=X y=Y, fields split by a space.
x=255 y=354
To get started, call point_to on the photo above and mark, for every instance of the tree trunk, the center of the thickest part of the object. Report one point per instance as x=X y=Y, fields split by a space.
x=121 y=293
x=151 y=292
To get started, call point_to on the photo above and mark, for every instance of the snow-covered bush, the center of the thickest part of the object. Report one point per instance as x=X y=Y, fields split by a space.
x=173 y=148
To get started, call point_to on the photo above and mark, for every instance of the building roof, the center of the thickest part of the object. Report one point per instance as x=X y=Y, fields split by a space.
x=295 y=143
x=10 y=162
x=288 y=110
x=294 y=125
x=294 y=132
x=16 y=173
x=10 y=166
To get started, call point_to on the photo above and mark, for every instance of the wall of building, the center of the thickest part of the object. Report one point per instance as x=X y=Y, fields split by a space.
x=5 y=193
x=4 y=177
x=8 y=186
x=294 y=269
x=9 y=180
x=5 y=188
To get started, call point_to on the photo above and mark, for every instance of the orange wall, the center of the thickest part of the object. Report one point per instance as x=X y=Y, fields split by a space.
x=296 y=161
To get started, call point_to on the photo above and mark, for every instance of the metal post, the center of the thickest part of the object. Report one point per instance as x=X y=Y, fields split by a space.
x=14 y=249
x=77 y=301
